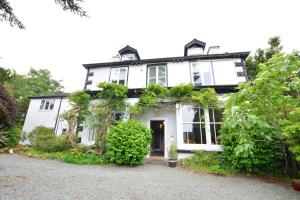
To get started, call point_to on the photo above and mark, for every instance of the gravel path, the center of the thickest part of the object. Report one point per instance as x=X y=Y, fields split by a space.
x=28 y=178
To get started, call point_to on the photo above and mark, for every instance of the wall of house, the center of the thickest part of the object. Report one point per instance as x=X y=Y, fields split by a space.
x=169 y=117
x=225 y=72
x=37 y=117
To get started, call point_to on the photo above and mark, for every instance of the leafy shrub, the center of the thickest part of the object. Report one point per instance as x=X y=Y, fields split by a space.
x=292 y=134
x=81 y=158
x=12 y=135
x=172 y=151
x=182 y=90
x=128 y=143
x=3 y=139
x=152 y=94
x=250 y=144
x=44 y=139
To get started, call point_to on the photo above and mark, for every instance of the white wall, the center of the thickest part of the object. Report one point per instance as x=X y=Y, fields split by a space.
x=36 y=117
x=100 y=75
x=169 y=117
x=225 y=72
x=137 y=76
x=178 y=73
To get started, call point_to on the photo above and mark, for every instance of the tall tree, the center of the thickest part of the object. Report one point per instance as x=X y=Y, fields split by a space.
x=7 y=14
x=35 y=83
x=6 y=75
x=262 y=55
x=8 y=109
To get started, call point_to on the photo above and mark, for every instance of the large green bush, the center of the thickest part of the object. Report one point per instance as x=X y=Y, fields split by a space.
x=44 y=139
x=128 y=143
x=12 y=135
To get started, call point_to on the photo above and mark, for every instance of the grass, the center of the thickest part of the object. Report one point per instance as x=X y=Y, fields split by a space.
x=74 y=156
x=210 y=162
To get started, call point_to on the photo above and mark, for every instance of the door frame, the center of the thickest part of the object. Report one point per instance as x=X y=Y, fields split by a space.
x=165 y=128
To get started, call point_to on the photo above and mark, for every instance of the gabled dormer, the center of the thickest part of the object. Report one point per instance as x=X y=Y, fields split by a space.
x=129 y=53
x=194 y=47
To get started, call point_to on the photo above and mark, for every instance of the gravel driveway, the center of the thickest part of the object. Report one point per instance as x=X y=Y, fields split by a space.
x=28 y=178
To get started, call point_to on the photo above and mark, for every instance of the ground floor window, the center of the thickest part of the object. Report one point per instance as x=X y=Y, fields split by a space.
x=200 y=125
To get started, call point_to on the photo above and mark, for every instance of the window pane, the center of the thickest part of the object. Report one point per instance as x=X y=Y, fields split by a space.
x=218 y=128
x=152 y=81
x=47 y=105
x=191 y=134
x=162 y=81
x=52 y=104
x=161 y=71
x=213 y=133
x=219 y=114
x=114 y=75
x=207 y=78
x=202 y=117
x=122 y=73
x=42 y=104
x=152 y=72
x=122 y=82
x=203 y=134
x=190 y=114
x=197 y=78
x=211 y=114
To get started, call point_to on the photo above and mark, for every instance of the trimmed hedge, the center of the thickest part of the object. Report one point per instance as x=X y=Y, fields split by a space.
x=128 y=143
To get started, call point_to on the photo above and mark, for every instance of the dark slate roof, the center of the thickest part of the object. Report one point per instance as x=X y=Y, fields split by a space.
x=242 y=55
x=193 y=43
x=57 y=95
x=128 y=49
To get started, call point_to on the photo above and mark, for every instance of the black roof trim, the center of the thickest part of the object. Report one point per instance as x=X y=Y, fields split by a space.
x=50 y=96
x=129 y=49
x=242 y=55
x=194 y=43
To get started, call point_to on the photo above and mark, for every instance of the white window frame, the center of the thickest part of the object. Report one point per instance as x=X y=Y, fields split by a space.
x=192 y=147
x=156 y=76
x=119 y=70
x=202 y=73
x=44 y=102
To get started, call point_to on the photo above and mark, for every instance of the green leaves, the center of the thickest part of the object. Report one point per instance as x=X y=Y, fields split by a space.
x=128 y=143
x=258 y=116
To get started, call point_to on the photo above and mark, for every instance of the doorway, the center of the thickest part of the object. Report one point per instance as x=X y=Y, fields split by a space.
x=158 y=134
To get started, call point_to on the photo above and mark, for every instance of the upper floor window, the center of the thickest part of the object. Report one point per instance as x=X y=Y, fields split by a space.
x=47 y=104
x=119 y=75
x=157 y=75
x=202 y=73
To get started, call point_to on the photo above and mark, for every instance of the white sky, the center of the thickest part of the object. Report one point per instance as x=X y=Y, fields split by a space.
x=61 y=41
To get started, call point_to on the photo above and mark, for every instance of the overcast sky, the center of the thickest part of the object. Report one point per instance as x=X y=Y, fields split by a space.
x=62 y=42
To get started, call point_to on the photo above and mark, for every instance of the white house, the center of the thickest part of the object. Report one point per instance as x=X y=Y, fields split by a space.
x=193 y=128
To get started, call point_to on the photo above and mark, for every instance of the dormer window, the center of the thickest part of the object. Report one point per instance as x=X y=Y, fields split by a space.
x=194 y=47
x=119 y=75
x=129 y=53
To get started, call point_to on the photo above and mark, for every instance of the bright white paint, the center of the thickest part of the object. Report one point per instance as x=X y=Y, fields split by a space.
x=100 y=75
x=137 y=76
x=178 y=73
x=225 y=72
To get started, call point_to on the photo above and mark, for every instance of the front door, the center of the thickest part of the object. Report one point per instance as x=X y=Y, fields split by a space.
x=158 y=133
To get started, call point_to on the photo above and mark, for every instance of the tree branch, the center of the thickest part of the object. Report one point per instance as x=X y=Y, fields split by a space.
x=6 y=14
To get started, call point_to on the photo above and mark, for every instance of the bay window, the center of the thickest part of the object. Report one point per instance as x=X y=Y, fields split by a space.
x=157 y=75
x=200 y=125
x=119 y=75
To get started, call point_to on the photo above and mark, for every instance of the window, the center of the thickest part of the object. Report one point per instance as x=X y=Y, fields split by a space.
x=215 y=118
x=157 y=75
x=64 y=130
x=193 y=125
x=119 y=75
x=202 y=73
x=47 y=104
x=92 y=135
x=200 y=123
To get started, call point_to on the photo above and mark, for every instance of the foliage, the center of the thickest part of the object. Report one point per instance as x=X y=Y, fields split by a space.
x=45 y=140
x=292 y=134
x=157 y=96
x=6 y=75
x=35 y=83
x=79 y=102
x=3 y=139
x=207 y=161
x=104 y=110
x=256 y=117
x=182 y=91
x=12 y=135
x=128 y=143
x=262 y=55
x=8 y=109
x=74 y=156
x=172 y=153
x=7 y=13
